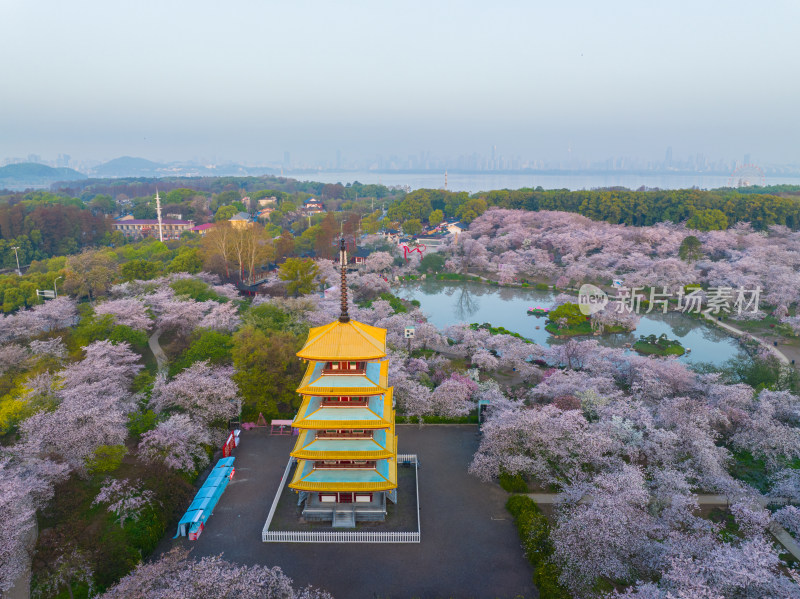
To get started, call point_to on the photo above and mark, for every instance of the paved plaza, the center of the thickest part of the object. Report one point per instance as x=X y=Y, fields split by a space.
x=469 y=544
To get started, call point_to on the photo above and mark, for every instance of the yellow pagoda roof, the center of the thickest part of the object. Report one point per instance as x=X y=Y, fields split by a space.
x=372 y=382
x=308 y=478
x=308 y=447
x=350 y=340
x=376 y=413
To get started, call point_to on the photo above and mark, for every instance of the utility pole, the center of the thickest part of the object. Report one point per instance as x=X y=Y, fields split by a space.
x=158 y=212
x=16 y=253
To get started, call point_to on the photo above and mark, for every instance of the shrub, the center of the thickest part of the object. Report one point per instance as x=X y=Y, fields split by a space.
x=106 y=458
x=534 y=532
x=513 y=483
x=141 y=422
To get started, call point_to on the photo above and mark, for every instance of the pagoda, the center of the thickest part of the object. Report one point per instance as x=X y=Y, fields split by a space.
x=346 y=450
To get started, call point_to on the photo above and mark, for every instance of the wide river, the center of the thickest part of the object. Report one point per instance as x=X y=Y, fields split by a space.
x=449 y=303
x=475 y=182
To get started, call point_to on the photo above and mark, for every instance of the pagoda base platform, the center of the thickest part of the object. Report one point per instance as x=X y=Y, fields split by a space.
x=315 y=510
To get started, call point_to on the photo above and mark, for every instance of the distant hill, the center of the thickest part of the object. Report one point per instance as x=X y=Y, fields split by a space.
x=27 y=175
x=128 y=166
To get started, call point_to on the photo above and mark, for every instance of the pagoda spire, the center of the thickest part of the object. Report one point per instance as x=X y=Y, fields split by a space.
x=343 y=317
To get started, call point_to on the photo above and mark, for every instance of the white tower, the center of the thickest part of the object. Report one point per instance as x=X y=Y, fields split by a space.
x=158 y=212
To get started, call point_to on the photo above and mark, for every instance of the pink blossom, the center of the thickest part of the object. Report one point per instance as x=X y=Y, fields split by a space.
x=11 y=356
x=26 y=484
x=453 y=398
x=173 y=575
x=126 y=499
x=789 y=518
x=178 y=443
x=378 y=261
x=220 y=317
x=129 y=312
x=618 y=521
x=204 y=391
x=48 y=347
x=95 y=400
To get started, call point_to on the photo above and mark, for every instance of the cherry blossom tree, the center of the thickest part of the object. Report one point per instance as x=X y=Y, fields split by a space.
x=26 y=484
x=174 y=575
x=178 y=443
x=11 y=356
x=220 y=317
x=789 y=518
x=126 y=499
x=48 y=347
x=130 y=312
x=181 y=316
x=369 y=286
x=749 y=570
x=378 y=262
x=52 y=315
x=203 y=391
x=616 y=518
x=453 y=398
x=544 y=443
x=94 y=402
x=786 y=485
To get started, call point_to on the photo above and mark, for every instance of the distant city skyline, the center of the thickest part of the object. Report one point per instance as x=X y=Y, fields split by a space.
x=350 y=81
x=493 y=161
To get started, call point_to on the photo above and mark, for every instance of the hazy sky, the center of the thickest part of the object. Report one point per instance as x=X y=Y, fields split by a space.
x=246 y=80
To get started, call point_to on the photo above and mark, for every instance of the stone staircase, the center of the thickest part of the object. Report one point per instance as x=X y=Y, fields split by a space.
x=344 y=518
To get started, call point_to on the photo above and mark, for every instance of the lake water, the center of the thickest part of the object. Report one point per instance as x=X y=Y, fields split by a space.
x=448 y=303
x=475 y=182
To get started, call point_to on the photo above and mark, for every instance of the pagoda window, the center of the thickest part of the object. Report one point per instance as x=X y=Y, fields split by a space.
x=344 y=434
x=343 y=464
x=345 y=400
x=342 y=367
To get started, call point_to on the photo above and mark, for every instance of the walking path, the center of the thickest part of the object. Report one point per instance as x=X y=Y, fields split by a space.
x=783 y=537
x=740 y=333
x=161 y=357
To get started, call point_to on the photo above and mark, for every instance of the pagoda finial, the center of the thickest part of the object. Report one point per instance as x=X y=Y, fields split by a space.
x=344 y=317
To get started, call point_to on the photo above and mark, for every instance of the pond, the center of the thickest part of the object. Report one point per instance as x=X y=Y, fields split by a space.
x=448 y=303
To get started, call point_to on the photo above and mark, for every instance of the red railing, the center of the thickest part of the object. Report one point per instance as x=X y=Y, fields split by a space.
x=340 y=466
x=354 y=402
x=362 y=435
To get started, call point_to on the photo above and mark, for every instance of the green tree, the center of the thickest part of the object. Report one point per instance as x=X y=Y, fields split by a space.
x=433 y=262
x=225 y=213
x=267 y=372
x=208 y=345
x=412 y=227
x=708 y=220
x=187 y=260
x=571 y=312
x=436 y=217
x=103 y=203
x=691 y=249
x=299 y=275
x=90 y=274
x=471 y=210
x=142 y=270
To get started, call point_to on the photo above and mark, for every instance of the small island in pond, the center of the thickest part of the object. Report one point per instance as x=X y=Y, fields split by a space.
x=659 y=346
x=567 y=320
